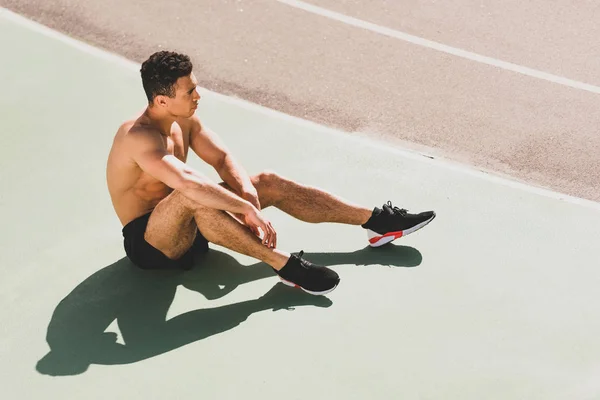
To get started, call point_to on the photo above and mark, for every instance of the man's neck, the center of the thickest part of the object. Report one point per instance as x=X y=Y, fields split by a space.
x=161 y=121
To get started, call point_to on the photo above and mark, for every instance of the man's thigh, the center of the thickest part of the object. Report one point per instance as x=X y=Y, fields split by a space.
x=171 y=227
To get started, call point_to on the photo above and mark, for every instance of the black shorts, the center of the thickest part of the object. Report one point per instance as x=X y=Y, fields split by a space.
x=145 y=256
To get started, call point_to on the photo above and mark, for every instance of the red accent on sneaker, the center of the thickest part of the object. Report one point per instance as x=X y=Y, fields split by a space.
x=395 y=234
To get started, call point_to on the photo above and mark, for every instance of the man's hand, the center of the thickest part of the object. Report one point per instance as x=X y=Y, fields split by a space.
x=254 y=220
x=251 y=195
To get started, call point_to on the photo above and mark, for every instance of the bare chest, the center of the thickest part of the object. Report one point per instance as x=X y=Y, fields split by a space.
x=151 y=189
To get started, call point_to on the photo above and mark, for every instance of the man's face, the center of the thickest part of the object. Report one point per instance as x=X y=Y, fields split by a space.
x=185 y=102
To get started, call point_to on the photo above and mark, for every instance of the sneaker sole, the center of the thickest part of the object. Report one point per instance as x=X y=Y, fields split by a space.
x=377 y=240
x=292 y=284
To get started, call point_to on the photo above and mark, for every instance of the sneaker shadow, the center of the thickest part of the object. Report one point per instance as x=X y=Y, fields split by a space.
x=140 y=300
x=389 y=255
x=217 y=273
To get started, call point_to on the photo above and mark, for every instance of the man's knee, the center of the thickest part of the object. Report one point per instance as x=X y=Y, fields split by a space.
x=269 y=179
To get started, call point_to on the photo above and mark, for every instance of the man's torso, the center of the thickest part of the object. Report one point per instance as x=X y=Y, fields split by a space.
x=133 y=192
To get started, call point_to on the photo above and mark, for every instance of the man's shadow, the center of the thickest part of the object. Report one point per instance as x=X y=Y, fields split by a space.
x=139 y=301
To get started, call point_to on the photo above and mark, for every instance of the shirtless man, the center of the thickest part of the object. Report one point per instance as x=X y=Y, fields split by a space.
x=169 y=210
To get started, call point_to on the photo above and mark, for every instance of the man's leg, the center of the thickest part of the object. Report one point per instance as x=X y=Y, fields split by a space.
x=307 y=203
x=222 y=229
x=172 y=230
x=314 y=205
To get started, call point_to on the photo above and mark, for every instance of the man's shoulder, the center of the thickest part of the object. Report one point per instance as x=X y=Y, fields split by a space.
x=134 y=138
x=125 y=127
x=134 y=130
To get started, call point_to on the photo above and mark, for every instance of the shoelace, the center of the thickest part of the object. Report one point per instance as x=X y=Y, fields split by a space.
x=401 y=211
x=302 y=262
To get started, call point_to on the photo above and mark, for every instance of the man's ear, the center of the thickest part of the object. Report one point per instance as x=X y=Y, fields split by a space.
x=160 y=101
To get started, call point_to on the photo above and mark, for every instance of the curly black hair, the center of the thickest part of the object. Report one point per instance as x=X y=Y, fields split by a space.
x=160 y=72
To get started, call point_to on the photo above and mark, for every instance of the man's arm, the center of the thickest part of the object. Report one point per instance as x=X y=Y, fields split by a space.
x=149 y=152
x=207 y=145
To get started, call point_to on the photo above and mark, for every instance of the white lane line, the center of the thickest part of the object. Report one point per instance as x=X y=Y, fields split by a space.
x=439 y=46
x=359 y=140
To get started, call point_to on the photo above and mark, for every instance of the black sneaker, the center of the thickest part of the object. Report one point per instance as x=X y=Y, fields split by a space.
x=311 y=278
x=391 y=223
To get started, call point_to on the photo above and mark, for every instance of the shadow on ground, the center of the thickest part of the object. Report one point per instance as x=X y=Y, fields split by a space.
x=139 y=301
